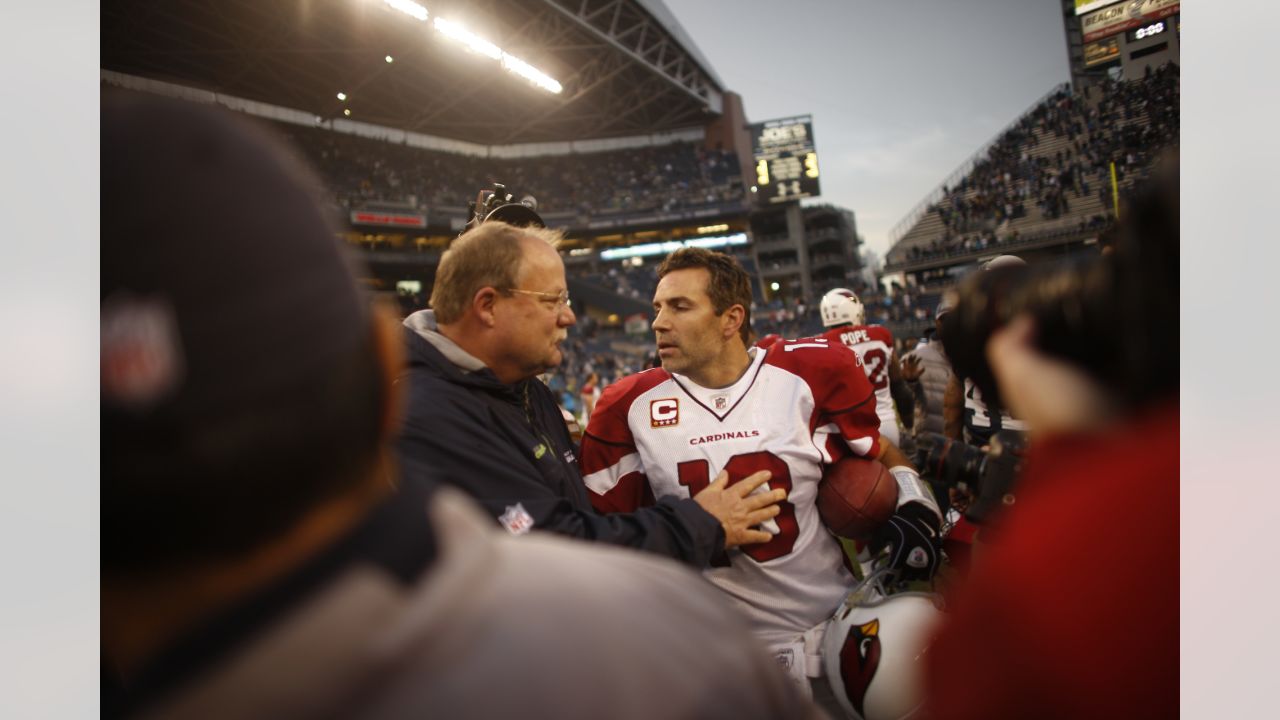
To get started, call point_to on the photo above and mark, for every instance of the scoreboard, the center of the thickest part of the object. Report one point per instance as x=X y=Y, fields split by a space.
x=786 y=163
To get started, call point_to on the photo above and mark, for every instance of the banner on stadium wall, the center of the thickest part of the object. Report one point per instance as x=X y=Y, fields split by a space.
x=388 y=219
x=1096 y=53
x=1086 y=6
x=1124 y=16
x=636 y=324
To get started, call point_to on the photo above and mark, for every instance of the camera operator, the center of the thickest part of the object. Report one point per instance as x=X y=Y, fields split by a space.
x=1072 y=608
x=979 y=447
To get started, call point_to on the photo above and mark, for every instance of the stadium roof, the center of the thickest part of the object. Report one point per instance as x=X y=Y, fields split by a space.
x=626 y=66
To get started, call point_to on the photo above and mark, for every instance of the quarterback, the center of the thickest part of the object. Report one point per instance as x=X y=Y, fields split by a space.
x=788 y=409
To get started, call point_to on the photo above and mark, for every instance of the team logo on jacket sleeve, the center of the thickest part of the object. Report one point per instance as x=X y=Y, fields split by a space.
x=516 y=519
x=664 y=413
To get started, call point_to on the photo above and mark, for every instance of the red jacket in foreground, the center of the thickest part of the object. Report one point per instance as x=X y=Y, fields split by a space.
x=1072 y=611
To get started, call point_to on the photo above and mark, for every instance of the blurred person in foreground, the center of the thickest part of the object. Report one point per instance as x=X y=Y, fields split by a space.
x=479 y=418
x=1072 y=607
x=257 y=560
x=790 y=408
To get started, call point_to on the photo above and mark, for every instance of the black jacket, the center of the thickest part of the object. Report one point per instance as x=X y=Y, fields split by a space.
x=508 y=445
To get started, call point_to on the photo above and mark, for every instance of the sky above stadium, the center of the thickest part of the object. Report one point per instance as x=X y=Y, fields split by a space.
x=901 y=91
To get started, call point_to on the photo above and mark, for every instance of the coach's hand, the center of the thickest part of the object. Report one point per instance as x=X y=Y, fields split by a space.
x=738 y=510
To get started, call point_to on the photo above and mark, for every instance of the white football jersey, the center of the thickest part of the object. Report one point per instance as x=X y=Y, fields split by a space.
x=874 y=344
x=980 y=424
x=800 y=404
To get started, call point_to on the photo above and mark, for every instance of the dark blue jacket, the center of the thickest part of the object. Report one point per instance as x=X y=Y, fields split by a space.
x=507 y=445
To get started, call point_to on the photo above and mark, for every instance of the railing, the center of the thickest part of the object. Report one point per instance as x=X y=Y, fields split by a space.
x=820 y=234
x=905 y=224
x=1063 y=227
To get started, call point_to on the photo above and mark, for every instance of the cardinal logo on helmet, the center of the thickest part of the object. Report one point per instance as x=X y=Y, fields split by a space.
x=859 y=659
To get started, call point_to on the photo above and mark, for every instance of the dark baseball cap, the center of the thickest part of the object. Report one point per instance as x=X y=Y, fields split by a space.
x=228 y=306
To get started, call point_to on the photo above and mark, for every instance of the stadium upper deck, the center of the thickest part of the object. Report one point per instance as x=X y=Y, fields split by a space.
x=1046 y=178
x=1042 y=187
x=612 y=119
x=623 y=67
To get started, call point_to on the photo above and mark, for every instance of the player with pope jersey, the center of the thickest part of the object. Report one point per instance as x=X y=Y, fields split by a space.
x=845 y=317
x=788 y=409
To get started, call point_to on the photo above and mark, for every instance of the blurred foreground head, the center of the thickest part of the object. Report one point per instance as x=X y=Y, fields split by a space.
x=240 y=383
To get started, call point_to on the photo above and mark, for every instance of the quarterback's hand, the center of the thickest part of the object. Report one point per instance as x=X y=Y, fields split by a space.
x=738 y=510
x=911 y=368
x=913 y=541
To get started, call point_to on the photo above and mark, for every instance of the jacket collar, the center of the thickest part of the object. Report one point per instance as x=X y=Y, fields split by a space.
x=424 y=324
x=442 y=357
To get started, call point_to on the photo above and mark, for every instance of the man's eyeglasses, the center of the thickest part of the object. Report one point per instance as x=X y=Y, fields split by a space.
x=561 y=299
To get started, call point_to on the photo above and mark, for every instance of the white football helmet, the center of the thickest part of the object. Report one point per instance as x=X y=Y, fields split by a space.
x=842 y=306
x=1000 y=261
x=874 y=650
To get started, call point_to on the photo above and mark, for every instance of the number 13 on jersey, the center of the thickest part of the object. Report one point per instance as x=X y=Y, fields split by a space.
x=696 y=475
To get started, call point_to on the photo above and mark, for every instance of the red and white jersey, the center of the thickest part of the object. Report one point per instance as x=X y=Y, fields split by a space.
x=874 y=344
x=800 y=404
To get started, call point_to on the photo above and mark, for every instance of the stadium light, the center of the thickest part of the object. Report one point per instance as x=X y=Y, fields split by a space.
x=669 y=246
x=410 y=8
x=474 y=42
x=342 y=96
x=390 y=59
x=530 y=73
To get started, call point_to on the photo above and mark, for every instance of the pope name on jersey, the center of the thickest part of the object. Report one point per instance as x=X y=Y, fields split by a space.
x=799 y=404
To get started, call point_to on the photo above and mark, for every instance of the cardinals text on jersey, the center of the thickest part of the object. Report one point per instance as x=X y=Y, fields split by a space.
x=874 y=344
x=800 y=404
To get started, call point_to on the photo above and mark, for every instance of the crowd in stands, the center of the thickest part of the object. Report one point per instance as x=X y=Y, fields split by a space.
x=591 y=350
x=360 y=171
x=1122 y=122
x=633 y=281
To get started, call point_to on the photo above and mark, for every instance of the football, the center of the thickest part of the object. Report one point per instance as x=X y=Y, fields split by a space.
x=856 y=496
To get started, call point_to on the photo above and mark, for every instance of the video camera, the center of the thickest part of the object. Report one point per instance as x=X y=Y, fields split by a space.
x=990 y=476
x=497 y=204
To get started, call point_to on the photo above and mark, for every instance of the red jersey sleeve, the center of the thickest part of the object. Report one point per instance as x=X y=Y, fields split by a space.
x=844 y=400
x=608 y=459
x=881 y=333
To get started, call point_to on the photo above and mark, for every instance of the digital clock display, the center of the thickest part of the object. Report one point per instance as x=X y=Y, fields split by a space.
x=1148 y=31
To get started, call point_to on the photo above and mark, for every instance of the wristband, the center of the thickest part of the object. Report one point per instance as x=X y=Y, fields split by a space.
x=912 y=489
